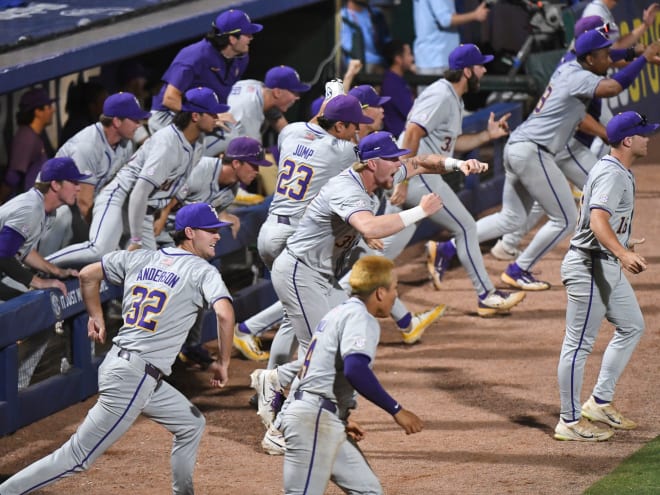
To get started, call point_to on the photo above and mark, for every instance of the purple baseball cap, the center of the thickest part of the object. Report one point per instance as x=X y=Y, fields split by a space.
x=61 y=168
x=202 y=100
x=591 y=41
x=380 y=144
x=247 y=149
x=235 y=22
x=345 y=108
x=368 y=96
x=316 y=106
x=124 y=106
x=34 y=98
x=285 y=77
x=467 y=55
x=198 y=216
x=585 y=24
x=628 y=124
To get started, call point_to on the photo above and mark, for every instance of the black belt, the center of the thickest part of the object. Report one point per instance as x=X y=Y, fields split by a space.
x=283 y=219
x=324 y=403
x=149 y=369
x=595 y=253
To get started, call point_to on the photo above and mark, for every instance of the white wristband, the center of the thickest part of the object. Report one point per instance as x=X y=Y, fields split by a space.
x=413 y=215
x=452 y=164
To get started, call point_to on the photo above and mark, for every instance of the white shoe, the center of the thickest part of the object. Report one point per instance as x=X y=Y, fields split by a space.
x=420 y=322
x=606 y=413
x=498 y=301
x=269 y=393
x=581 y=431
x=503 y=252
x=273 y=442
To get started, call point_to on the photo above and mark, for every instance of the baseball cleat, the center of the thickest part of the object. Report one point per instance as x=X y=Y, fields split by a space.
x=498 y=302
x=249 y=346
x=606 y=413
x=522 y=279
x=267 y=385
x=438 y=259
x=273 y=442
x=420 y=322
x=503 y=252
x=581 y=431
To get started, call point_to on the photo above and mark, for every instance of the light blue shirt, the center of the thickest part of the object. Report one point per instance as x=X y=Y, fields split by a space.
x=435 y=38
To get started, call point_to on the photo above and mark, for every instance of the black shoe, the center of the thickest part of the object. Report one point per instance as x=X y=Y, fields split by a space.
x=195 y=356
x=254 y=402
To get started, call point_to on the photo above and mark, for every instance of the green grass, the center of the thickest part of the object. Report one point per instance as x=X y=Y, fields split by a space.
x=639 y=474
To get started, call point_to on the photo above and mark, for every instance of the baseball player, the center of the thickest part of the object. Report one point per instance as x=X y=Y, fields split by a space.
x=254 y=103
x=434 y=125
x=24 y=218
x=310 y=154
x=99 y=150
x=339 y=362
x=600 y=250
x=216 y=62
x=529 y=156
x=156 y=171
x=215 y=181
x=305 y=275
x=576 y=158
x=162 y=293
x=372 y=106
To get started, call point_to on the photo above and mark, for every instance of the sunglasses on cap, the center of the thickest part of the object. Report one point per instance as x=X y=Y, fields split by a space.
x=605 y=29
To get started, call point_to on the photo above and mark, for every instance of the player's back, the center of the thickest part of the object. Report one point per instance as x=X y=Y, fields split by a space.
x=309 y=158
x=560 y=109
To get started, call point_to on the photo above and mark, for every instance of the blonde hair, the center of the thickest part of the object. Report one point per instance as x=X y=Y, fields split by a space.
x=359 y=166
x=369 y=273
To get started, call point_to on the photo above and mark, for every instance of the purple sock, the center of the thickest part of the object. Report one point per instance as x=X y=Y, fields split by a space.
x=243 y=329
x=600 y=402
x=404 y=322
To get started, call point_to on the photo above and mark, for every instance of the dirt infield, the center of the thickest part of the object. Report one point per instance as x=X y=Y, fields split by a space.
x=486 y=390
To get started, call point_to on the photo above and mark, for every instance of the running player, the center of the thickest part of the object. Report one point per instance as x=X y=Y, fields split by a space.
x=316 y=425
x=162 y=293
x=529 y=156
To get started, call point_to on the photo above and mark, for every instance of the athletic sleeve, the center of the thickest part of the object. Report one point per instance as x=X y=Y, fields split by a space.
x=114 y=266
x=606 y=192
x=10 y=242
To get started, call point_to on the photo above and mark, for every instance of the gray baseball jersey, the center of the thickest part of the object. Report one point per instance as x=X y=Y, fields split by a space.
x=317 y=447
x=309 y=158
x=346 y=329
x=560 y=109
x=442 y=123
x=324 y=238
x=610 y=187
x=25 y=214
x=598 y=289
x=246 y=104
x=93 y=155
x=202 y=186
x=163 y=291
